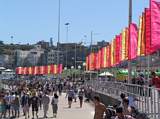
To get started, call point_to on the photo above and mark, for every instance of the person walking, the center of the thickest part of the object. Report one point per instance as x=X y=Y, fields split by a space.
x=81 y=95
x=8 y=103
x=40 y=99
x=54 y=104
x=70 y=95
x=75 y=93
x=35 y=104
x=2 y=107
x=45 y=102
x=16 y=105
x=25 y=102
x=100 y=108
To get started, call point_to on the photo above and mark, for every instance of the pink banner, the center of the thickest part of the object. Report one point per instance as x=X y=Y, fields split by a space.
x=60 y=68
x=133 y=36
x=147 y=31
x=117 y=58
x=155 y=25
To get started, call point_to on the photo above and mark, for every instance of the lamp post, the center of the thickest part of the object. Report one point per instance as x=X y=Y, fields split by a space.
x=84 y=68
x=75 y=55
x=66 y=24
x=72 y=67
x=79 y=68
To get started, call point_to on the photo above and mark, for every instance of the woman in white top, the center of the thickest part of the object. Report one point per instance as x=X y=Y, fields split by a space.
x=55 y=105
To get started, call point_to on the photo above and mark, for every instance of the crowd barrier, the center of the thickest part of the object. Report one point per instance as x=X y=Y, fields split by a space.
x=149 y=97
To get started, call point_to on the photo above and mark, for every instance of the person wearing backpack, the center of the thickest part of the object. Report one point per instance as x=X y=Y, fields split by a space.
x=54 y=104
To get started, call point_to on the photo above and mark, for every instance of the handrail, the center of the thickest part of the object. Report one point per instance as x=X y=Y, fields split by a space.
x=149 y=96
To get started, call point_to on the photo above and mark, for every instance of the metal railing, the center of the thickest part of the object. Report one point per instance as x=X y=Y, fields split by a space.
x=149 y=97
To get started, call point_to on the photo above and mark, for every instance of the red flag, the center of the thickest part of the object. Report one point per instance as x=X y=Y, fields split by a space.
x=19 y=70
x=99 y=59
x=87 y=63
x=30 y=70
x=60 y=68
x=148 y=31
x=155 y=25
x=109 y=56
x=102 y=56
x=117 y=49
x=52 y=69
x=55 y=69
x=35 y=72
x=42 y=70
x=45 y=69
x=126 y=43
x=96 y=61
x=120 y=47
x=133 y=37
x=25 y=70
x=38 y=70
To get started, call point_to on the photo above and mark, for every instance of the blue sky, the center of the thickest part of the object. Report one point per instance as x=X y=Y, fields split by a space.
x=29 y=21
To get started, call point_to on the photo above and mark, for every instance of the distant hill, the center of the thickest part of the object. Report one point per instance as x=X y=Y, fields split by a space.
x=8 y=48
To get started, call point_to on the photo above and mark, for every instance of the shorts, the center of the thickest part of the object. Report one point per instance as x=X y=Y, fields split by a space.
x=26 y=108
x=8 y=107
x=16 y=107
x=35 y=108
x=70 y=99
x=2 y=108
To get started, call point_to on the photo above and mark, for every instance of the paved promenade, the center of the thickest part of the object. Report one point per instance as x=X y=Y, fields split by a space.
x=75 y=112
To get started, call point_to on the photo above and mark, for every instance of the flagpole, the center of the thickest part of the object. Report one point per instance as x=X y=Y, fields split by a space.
x=129 y=22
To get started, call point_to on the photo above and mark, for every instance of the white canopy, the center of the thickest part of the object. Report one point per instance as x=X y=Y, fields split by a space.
x=8 y=70
x=2 y=68
x=106 y=74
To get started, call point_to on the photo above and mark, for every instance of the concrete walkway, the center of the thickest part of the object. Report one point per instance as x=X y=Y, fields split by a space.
x=75 y=112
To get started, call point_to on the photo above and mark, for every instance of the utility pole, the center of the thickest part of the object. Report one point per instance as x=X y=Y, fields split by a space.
x=59 y=21
x=75 y=60
x=129 y=22
x=91 y=50
x=91 y=40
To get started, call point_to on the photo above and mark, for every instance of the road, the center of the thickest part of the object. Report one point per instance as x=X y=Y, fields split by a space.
x=75 y=112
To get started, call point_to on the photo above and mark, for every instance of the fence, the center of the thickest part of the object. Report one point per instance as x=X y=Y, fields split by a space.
x=149 y=97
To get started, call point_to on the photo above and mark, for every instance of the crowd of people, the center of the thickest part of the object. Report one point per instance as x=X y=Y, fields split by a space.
x=36 y=95
x=39 y=94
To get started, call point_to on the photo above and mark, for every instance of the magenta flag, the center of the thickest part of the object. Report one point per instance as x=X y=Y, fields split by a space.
x=147 y=31
x=60 y=68
x=120 y=47
x=133 y=36
x=155 y=25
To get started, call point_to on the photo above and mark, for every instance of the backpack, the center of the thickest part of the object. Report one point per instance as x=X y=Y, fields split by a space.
x=110 y=113
x=52 y=101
